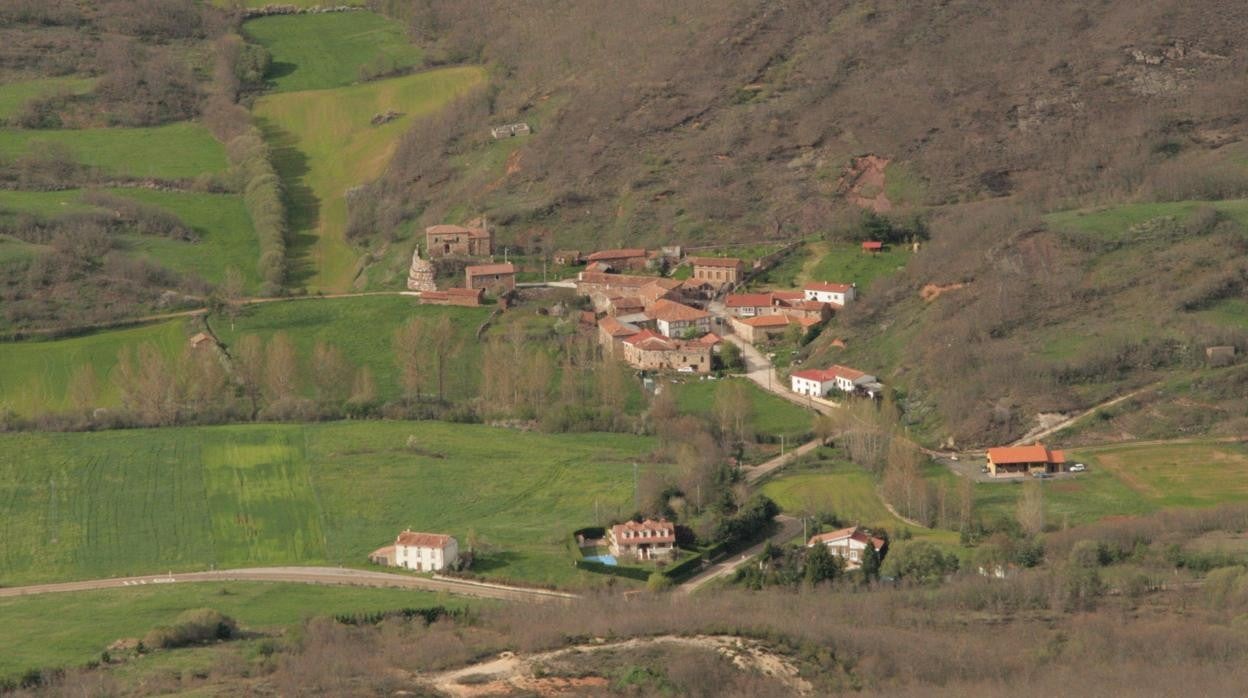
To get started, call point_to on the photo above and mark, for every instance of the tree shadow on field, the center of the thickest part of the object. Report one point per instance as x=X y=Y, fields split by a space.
x=279 y=69
x=303 y=208
x=487 y=562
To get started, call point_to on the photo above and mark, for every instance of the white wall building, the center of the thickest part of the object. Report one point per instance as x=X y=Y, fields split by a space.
x=849 y=544
x=838 y=294
x=425 y=552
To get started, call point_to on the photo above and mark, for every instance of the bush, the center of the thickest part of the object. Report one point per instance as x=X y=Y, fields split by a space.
x=262 y=193
x=658 y=582
x=192 y=628
x=919 y=562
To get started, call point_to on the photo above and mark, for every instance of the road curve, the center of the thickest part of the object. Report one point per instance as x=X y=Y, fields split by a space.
x=789 y=527
x=306 y=575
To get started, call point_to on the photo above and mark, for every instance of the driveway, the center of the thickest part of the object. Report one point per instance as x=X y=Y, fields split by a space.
x=789 y=528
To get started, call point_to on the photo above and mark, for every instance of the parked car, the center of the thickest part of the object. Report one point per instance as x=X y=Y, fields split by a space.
x=1078 y=468
x=1040 y=475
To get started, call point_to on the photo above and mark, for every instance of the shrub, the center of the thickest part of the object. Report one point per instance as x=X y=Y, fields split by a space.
x=191 y=628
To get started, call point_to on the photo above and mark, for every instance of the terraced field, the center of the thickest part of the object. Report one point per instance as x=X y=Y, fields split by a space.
x=16 y=94
x=114 y=503
x=175 y=151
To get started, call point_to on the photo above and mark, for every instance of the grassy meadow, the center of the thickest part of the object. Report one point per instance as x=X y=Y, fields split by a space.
x=34 y=374
x=773 y=416
x=226 y=236
x=175 y=151
x=1115 y=222
x=324 y=145
x=848 y=264
x=320 y=51
x=363 y=328
x=88 y=505
x=70 y=629
x=14 y=95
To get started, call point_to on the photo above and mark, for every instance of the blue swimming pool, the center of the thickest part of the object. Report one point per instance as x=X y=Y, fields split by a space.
x=604 y=559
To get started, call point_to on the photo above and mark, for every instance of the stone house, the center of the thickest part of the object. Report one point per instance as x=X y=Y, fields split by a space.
x=634 y=258
x=649 y=351
x=718 y=271
x=459 y=240
x=497 y=278
x=677 y=319
x=648 y=540
x=602 y=288
x=763 y=327
x=611 y=331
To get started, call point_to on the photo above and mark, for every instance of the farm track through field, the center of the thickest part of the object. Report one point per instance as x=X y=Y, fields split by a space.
x=334 y=576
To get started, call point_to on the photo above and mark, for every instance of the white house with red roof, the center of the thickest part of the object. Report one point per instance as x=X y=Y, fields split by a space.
x=819 y=382
x=825 y=292
x=645 y=540
x=849 y=544
x=423 y=552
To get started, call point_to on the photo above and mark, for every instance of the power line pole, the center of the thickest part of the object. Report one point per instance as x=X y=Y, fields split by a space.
x=636 y=490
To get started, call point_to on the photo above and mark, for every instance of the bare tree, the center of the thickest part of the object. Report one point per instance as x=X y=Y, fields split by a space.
x=363 y=387
x=82 y=389
x=1030 y=510
x=331 y=374
x=281 y=368
x=733 y=413
x=248 y=363
x=408 y=348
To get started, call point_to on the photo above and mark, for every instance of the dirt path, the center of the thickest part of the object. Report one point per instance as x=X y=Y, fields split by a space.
x=306 y=575
x=1033 y=436
x=510 y=673
x=766 y=468
x=815 y=252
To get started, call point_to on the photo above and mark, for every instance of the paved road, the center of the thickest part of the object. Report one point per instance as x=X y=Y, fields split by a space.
x=306 y=575
x=789 y=527
x=766 y=468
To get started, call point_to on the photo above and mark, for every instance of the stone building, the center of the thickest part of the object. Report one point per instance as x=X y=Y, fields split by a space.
x=459 y=240
x=420 y=276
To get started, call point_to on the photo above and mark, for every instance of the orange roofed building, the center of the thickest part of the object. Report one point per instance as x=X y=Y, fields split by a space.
x=648 y=540
x=423 y=552
x=717 y=271
x=1021 y=460
x=849 y=544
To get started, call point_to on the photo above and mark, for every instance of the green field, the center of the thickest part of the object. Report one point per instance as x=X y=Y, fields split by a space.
x=324 y=145
x=848 y=264
x=12 y=249
x=844 y=489
x=364 y=329
x=1115 y=222
x=14 y=95
x=319 y=51
x=89 y=505
x=773 y=416
x=176 y=151
x=34 y=374
x=226 y=236
x=69 y=629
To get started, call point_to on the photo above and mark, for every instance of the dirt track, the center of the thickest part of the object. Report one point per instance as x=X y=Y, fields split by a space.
x=305 y=575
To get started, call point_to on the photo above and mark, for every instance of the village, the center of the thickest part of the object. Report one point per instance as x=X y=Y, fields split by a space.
x=675 y=316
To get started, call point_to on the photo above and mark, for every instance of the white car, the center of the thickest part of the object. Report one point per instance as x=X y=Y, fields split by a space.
x=1078 y=468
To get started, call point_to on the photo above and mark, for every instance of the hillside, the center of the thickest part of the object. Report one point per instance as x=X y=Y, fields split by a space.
x=666 y=123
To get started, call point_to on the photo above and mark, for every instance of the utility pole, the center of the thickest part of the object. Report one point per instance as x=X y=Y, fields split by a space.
x=636 y=490
x=782 y=444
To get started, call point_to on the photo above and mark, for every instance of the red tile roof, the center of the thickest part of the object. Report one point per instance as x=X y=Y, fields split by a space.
x=872 y=245
x=788 y=295
x=1025 y=454
x=423 y=540
x=597 y=277
x=827 y=286
x=663 y=527
x=650 y=341
x=749 y=300
x=490 y=269
x=823 y=375
x=615 y=328
x=627 y=253
x=465 y=292
x=671 y=311
x=710 y=339
x=730 y=262
x=766 y=321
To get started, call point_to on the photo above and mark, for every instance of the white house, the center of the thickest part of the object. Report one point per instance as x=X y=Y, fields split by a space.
x=817 y=382
x=824 y=292
x=849 y=544
x=423 y=552
x=820 y=382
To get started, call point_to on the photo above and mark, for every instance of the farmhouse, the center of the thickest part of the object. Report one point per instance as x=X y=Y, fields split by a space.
x=630 y=258
x=792 y=303
x=648 y=540
x=459 y=240
x=825 y=292
x=1020 y=460
x=763 y=327
x=717 y=271
x=423 y=552
x=649 y=351
x=749 y=304
x=849 y=544
x=820 y=382
x=495 y=277
x=678 y=320
x=468 y=297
